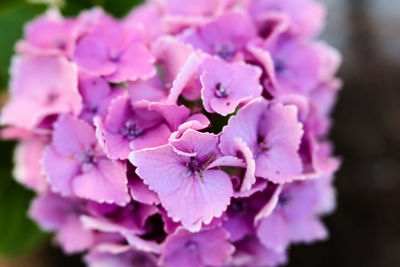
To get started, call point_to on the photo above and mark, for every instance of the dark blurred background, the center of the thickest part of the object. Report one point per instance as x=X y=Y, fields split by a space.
x=365 y=229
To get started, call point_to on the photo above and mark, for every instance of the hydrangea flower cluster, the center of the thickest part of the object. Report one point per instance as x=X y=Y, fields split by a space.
x=184 y=134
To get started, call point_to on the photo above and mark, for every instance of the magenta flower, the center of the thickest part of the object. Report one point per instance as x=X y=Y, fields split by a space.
x=225 y=86
x=97 y=96
x=50 y=34
x=306 y=23
x=55 y=213
x=28 y=168
x=250 y=252
x=184 y=134
x=226 y=36
x=291 y=217
x=41 y=97
x=193 y=190
x=76 y=166
x=109 y=49
x=127 y=128
x=205 y=248
x=273 y=134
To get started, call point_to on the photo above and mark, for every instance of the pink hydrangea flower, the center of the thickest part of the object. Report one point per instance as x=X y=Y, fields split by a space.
x=50 y=34
x=55 y=213
x=205 y=248
x=273 y=134
x=193 y=190
x=97 y=95
x=306 y=23
x=57 y=94
x=180 y=135
x=76 y=165
x=28 y=168
x=226 y=36
x=225 y=86
x=109 y=49
x=292 y=215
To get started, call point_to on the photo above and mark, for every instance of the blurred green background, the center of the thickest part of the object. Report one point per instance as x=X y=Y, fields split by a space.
x=365 y=229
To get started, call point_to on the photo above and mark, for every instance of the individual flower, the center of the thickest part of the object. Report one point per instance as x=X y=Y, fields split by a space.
x=109 y=49
x=304 y=24
x=208 y=247
x=40 y=98
x=76 y=165
x=192 y=189
x=225 y=86
x=50 y=34
x=28 y=168
x=128 y=128
x=250 y=252
x=291 y=217
x=226 y=36
x=97 y=95
x=54 y=213
x=273 y=134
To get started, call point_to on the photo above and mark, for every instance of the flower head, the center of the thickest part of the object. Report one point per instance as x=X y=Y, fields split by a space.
x=184 y=134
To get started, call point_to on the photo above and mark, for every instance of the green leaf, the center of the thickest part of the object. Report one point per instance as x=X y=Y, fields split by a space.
x=18 y=233
x=13 y=15
x=120 y=8
x=117 y=8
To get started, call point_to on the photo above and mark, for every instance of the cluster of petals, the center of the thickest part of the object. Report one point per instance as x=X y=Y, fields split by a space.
x=184 y=134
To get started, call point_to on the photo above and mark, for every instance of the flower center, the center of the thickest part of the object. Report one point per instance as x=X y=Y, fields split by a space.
x=51 y=98
x=114 y=56
x=279 y=66
x=220 y=91
x=190 y=245
x=194 y=166
x=284 y=199
x=238 y=206
x=92 y=109
x=87 y=159
x=225 y=51
x=131 y=130
x=263 y=144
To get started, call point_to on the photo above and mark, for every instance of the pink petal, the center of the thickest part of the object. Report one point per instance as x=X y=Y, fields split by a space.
x=196 y=202
x=283 y=133
x=135 y=63
x=60 y=171
x=105 y=182
x=73 y=237
x=92 y=56
x=155 y=163
x=72 y=136
x=273 y=232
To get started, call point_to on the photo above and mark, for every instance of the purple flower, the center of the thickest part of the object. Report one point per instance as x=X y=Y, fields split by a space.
x=76 y=165
x=40 y=98
x=107 y=48
x=97 y=96
x=50 y=34
x=225 y=86
x=225 y=36
x=28 y=168
x=290 y=217
x=127 y=128
x=273 y=134
x=192 y=189
x=55 y=213
x=180 y=135
x=250 y=252
x=205 y=248
x=306 y=23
